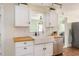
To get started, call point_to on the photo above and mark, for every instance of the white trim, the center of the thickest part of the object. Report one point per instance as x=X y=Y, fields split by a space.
x=66 y=46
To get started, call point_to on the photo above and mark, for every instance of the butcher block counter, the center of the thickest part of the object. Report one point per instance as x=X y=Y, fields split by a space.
x=22 y=39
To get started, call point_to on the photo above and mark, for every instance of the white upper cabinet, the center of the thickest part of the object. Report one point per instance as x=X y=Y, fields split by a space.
x=21 y=16
x=51 y=19
x=47 y=19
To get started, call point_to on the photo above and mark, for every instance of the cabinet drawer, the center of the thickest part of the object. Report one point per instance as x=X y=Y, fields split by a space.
x=24 y=50
x=20 y=44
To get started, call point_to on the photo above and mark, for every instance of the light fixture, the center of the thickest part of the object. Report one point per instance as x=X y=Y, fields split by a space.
x=23 y=3
x=52 y=8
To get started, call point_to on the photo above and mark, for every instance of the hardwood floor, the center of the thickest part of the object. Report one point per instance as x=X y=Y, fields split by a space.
x=71 y=52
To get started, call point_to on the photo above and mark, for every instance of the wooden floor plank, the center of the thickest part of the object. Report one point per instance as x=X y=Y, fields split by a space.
x=71 y=52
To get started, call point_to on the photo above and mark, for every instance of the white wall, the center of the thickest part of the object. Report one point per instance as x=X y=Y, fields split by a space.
x=71 y=10
x=72 y=16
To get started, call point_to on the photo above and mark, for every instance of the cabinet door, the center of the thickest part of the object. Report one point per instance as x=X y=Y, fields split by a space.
x=47 y=19
x=53 y=19
x=39 y=50
x=21 y=16
x=49 y=49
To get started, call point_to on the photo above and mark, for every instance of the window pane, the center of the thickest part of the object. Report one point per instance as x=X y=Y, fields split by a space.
x=34 y=26
x=40 y=27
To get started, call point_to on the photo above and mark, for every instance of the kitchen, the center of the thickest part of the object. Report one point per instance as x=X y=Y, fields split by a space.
x=26 y=29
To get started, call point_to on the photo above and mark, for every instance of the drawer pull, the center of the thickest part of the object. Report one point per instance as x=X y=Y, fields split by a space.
x=25 y=48
x=44 y=48
x=25 y=43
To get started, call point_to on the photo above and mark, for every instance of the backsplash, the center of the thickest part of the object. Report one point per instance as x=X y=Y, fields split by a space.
x=21 y=32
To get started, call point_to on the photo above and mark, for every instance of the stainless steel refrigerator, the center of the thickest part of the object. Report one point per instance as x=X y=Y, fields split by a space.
x=75 y=34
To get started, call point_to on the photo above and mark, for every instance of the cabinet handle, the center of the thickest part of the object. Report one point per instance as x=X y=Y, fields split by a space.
x=28 y=22
x=44 y=48
x=25 y=48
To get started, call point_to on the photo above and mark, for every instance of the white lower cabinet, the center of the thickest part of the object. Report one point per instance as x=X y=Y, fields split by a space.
x=38 y=50
x=29 y=49
x=23 y=49
x=20 y=51
x=44 y=49
x=49 y=49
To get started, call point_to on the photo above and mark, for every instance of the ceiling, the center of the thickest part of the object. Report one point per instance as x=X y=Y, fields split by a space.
x=41 y=4
x=71 y=10
x=66 y=6
x=54 y=5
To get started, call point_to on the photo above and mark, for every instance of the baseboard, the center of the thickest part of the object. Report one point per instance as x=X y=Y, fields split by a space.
x=66 y=46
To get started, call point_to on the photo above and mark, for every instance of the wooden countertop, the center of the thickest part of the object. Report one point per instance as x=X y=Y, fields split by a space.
x=56 y=38
x=22 y=39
